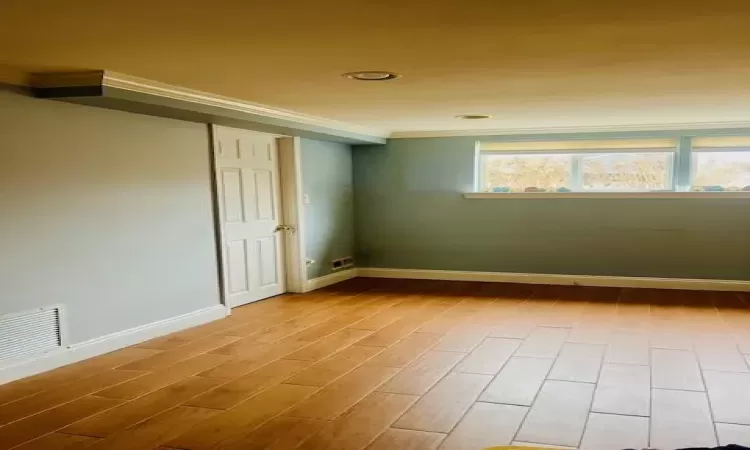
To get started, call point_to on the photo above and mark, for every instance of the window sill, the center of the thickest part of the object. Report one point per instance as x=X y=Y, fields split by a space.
x=604 y=195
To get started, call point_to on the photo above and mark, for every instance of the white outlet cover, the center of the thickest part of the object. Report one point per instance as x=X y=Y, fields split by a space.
x=305 y=199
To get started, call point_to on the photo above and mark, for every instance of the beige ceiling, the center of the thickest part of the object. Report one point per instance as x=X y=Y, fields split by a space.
x=532 y=64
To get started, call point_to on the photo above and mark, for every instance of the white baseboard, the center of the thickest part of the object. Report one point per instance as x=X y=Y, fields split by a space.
x=567 y=280
x=105 y=344
x=333 y=278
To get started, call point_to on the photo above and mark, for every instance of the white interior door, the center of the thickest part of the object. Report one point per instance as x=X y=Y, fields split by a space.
x=247 y=175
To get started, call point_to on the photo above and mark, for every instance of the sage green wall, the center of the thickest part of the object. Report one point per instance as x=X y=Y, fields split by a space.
x=409 y=213
x=105 y=212
x=329 y=217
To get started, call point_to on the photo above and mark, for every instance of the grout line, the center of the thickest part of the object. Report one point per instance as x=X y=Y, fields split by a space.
x=675 y=389
x=183 y=405
x=62 y=431
x=511 y=356
x=529 y=408
x=619 y=414
x=571 y=381
x=588 y=416
x=501 y=403
x=732 y=423
x=650 y=390
x=708 y=399
x=415 y=429
x=585 y=426
x=727 y=371
x=650 y=375
x=593 y=397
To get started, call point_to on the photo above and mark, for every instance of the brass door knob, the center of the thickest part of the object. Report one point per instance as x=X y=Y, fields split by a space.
x=285 y=228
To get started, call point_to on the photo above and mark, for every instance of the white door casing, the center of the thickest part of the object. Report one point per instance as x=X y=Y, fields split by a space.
x=293 y=208
x=248 y=194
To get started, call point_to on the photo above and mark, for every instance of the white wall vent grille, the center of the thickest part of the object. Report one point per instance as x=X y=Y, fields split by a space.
x=342 y=263
x=30 y=333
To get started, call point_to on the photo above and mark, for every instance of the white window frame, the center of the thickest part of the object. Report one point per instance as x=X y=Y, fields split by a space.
x=712 y=150
x=576 y=169
x=681 y=170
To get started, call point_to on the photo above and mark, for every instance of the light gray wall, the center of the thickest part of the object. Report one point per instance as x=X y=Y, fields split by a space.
x=329 y=218
x=409 y=213
x=106 y=212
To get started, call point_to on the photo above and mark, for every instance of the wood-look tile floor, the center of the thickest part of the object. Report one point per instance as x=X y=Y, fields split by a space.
x=394 y=364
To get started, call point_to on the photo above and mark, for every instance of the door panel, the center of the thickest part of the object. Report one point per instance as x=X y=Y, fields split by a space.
x=267 y=261
x=263 y=195
x=234 y=208
x=237 y=269
x=249 y=208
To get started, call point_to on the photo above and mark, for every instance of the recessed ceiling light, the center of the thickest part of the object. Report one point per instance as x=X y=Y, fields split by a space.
x=372 y=75
x=474 y=116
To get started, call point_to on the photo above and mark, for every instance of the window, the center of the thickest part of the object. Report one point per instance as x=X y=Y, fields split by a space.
x=615 y=165
x=721 y=164
x=516 y=173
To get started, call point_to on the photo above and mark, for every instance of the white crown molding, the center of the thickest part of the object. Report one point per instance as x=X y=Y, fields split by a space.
x=142 y=94
x=144 y=86
x=558 y=279
x=138 y=85
x=562 y=130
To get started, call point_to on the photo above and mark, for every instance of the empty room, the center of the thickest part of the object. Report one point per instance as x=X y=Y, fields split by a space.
x=350 y=225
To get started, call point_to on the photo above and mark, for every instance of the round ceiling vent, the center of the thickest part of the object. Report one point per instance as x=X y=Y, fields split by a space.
x=372 y=75
x=474 y=116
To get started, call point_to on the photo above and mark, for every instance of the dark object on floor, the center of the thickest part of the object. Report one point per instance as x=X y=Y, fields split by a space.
x=724 y=447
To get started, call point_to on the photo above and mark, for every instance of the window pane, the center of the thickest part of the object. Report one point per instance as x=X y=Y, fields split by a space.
x=519 y=173
x=627 y=171
x=716 y=171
